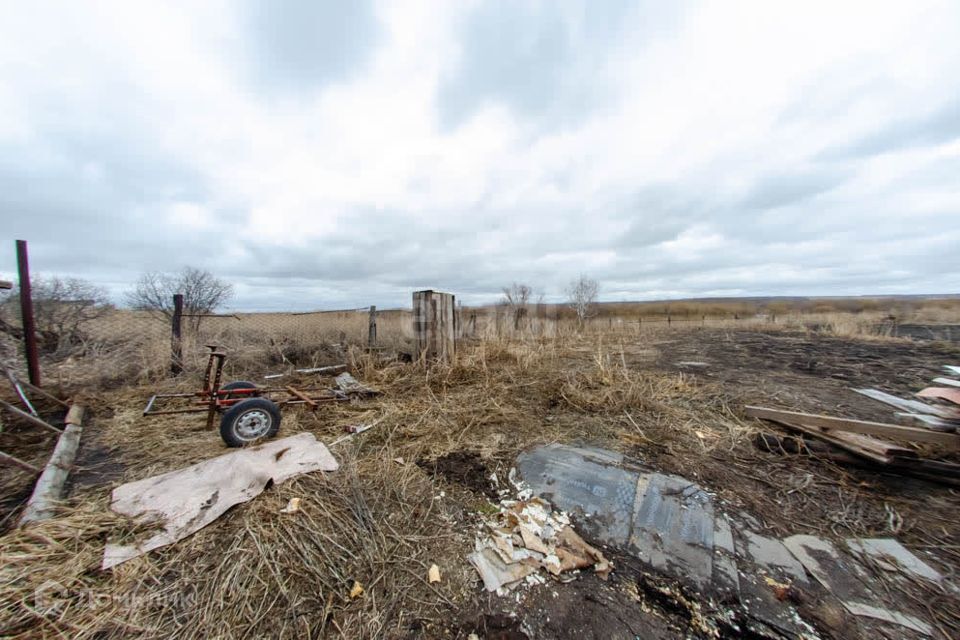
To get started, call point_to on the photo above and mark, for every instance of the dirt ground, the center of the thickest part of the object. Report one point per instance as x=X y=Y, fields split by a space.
x=671 y=399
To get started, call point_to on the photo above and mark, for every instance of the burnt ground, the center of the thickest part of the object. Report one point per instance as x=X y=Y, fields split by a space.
x=779 y=494
x=462 y=467
x=807 y=371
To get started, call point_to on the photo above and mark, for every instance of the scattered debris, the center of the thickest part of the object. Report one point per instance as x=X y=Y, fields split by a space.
x=186 y=500
x=433 y=574
x=913 y=406
x=292 y=507
x=891 y=556
x=845 y=580
x=857 y=437
x=356 y=591
x=329 y=369
x=527 y=536
x=399 y=460
x=355 y=429
x=348 y=384
x=758 y=584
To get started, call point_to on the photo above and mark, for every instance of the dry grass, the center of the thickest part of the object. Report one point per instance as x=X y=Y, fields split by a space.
x=255 y=572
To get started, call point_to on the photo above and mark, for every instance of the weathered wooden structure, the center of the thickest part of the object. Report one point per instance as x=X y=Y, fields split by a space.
x=434 y=325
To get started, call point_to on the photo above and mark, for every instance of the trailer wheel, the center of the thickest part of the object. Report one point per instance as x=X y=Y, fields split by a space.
x=248 y=421
x=239 y=384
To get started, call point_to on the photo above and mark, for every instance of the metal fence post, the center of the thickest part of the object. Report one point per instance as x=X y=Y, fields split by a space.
x=26 y=314
x=176 y=342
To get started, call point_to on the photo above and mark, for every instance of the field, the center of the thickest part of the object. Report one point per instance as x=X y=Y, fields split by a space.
x=413 y=491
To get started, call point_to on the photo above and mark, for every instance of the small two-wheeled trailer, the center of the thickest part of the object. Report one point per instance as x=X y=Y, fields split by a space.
x=249 y=412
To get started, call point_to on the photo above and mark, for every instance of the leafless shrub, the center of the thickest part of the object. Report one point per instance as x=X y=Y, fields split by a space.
x=582 y=295
x=63 y=309
x=516 y=298
x=202 y=292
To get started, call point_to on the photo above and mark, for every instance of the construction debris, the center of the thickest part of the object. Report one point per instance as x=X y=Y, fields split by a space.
x=935 y=425
x=329 y=369
x=348 y=384
x=674 y=527
x=356 y=591
x=527 y=536
x=184 y=501
x=433 y=574
x=292 y=507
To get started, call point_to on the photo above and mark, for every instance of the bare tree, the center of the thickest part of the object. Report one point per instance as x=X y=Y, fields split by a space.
x=202 y=292
x=62 y=309
x=582 y=296
x=516 y=298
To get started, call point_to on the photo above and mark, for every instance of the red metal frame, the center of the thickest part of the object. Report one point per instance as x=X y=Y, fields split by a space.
x=211 y=399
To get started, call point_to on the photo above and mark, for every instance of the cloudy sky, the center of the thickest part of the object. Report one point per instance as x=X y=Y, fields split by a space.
x=325 y=155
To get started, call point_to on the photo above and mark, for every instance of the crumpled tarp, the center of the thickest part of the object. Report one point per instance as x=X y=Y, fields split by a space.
x=186 y=500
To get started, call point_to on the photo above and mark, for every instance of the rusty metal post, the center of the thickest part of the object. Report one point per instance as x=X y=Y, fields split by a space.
x=372 y=329
x=26 y=314
x=176 y=341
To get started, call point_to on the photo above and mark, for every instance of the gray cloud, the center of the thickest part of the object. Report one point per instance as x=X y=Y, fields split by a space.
x=937 y=127
x=300 y=45
x=121 y=155
x=777 y=190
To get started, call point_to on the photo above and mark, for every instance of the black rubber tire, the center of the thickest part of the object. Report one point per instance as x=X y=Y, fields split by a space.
x=239 y=384
x=262 y=421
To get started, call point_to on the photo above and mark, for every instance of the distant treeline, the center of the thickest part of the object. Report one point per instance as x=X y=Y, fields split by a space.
x=748 y=308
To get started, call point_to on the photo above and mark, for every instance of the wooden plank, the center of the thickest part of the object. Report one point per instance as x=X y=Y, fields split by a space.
x=892 y=431
x=930 y=422
x=941 y=393
x=29 y=418
x=299 y=394
x=952 y=369
x=830 y=436
x=6 y=458
x=950 y=382
x=6 y=284
x=912 y=406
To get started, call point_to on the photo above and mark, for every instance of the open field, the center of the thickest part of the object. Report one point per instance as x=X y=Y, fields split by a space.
x=412 y=491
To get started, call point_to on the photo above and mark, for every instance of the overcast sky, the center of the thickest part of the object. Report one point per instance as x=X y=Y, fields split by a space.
x=327 y=155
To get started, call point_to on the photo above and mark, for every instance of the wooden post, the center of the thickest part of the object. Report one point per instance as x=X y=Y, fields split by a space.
x=434 y=325
x=26 y=314
x=176 y=342
x=372 y=329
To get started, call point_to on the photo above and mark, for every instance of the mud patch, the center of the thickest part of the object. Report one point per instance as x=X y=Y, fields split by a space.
x=464 y=468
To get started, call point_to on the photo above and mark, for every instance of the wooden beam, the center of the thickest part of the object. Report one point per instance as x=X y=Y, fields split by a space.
x=950 y=382
x=6 y=284
x=29 y=418
x=51 y=483
x=299 y=394
x=892 y=431
x=836 y=439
